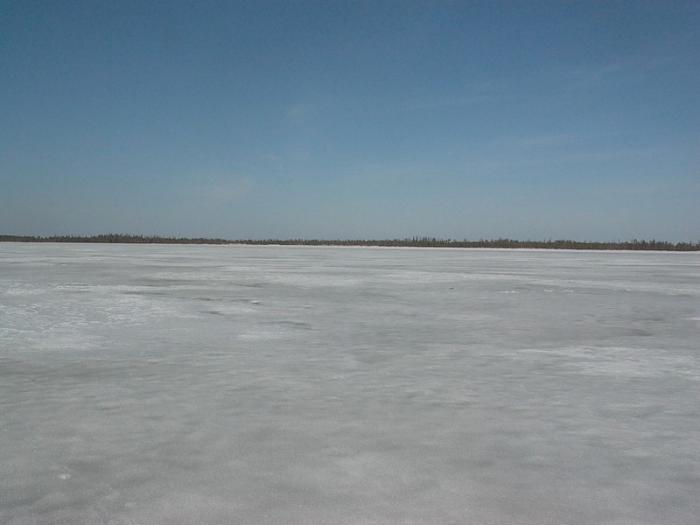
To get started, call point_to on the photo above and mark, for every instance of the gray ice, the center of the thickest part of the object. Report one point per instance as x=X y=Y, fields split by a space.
x=258 y=385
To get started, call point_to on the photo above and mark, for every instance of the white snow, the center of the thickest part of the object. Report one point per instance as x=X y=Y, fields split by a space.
x=234 y=384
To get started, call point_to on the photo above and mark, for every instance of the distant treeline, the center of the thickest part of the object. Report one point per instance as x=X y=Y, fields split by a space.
x=427 y=242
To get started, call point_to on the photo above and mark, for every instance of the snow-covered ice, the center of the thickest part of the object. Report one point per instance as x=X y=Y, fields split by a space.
x=236 y=384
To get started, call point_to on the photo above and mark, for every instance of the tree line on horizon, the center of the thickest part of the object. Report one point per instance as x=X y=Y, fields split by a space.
x=426 y=242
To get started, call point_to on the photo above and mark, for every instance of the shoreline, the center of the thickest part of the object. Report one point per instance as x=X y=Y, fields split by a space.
x=498 y=244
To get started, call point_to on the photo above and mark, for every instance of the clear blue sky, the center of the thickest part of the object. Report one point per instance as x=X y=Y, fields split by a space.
x=351 y=119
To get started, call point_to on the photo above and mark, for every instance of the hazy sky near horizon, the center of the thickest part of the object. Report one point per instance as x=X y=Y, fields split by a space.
x=351 y=119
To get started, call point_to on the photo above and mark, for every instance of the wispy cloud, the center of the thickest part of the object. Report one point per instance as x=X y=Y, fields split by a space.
x=221 y=191
x=473 y=93
x=428 y=103
x=631 y=68
x=546 y=140
x=532 y=158
x=297 y=112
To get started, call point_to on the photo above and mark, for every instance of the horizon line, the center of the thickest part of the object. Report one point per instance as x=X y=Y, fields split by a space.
x=415 y=241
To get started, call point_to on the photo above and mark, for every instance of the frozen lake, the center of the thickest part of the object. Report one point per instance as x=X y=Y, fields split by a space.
x=254 y=385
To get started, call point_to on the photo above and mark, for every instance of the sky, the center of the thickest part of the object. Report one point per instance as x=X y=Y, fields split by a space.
x=528 y=120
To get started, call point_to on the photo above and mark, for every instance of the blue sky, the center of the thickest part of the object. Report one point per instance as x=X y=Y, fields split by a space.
x=351 y=119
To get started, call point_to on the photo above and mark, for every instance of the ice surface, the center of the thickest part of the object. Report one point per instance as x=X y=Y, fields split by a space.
x=231 y=384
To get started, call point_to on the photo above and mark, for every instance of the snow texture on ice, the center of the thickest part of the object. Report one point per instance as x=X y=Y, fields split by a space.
x=232 y=384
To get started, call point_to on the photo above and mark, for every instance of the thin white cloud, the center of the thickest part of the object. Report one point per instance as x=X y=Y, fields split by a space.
x=223 y=191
